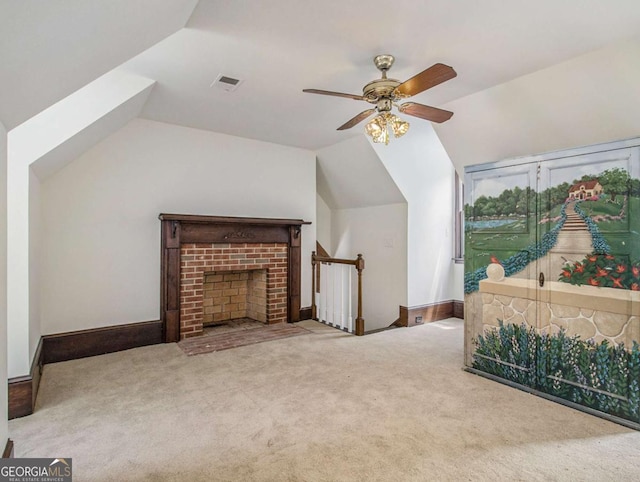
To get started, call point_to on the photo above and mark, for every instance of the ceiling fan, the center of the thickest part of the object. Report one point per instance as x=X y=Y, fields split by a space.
x=385 y=93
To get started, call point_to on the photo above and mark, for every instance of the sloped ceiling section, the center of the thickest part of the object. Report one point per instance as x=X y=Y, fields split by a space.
x=351 y=175
x=589 y=99
x=51 y=49
x=59 y=134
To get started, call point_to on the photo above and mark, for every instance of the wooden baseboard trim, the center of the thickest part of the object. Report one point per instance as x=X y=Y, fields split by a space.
x=8 y=450
x=392 y=326
x=22 y=391
x=98 y=341
x=305 y=313
x=458 y=309
x=409 y=316
x=36 y=373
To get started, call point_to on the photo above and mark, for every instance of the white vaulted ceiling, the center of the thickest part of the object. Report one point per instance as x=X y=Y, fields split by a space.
x=50 y=49
x=278 y=47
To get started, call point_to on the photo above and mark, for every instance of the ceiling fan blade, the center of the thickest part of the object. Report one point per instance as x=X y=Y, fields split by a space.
x=356 y=120
x=336 y=94
x=426 y=112
x=434 y=75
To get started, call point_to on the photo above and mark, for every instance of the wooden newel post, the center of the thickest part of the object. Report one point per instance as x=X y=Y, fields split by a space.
x=313 y=286
x=359 y=320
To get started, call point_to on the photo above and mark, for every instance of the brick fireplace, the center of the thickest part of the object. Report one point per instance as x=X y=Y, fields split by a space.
x=215 y=280
x=217 y=268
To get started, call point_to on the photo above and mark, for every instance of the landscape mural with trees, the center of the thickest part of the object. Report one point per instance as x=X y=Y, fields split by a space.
x=575 y=220
x=500 y=218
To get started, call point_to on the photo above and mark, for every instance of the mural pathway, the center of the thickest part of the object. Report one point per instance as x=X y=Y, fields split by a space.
x=574 y=222
x=573 y=244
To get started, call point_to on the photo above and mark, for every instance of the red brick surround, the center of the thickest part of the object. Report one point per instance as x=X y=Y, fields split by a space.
x=198 y=259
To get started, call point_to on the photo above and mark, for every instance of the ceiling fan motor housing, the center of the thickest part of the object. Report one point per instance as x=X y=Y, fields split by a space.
x=380 y=88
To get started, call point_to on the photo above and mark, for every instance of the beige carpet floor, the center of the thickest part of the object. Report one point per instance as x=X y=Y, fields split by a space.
x=391 y=406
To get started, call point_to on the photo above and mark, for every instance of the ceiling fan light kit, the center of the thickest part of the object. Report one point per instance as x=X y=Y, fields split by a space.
x=385 y=93
x=378 y=127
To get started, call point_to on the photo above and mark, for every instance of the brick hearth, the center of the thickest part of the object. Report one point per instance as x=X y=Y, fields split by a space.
x=201 y=259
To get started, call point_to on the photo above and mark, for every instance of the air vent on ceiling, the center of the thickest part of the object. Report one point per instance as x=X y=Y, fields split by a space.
x=227 y=83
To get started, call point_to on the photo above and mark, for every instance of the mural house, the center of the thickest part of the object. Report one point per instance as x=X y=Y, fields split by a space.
x=585 y=189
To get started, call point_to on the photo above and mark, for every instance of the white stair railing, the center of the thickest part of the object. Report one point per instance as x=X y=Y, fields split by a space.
x=331 y=289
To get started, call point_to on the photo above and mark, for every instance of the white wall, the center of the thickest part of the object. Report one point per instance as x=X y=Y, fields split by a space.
x=456 y=283
x=423 y=172
x=3 y=285
x=18 y=266
x=323 y=224
x=35 y=226
x=379 y=233
x=589 y=99
x=101 y=233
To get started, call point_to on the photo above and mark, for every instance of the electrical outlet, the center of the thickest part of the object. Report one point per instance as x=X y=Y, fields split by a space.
x=418 y=320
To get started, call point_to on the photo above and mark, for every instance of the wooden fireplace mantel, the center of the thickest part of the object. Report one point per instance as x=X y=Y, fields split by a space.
x=177 y=229
x=197 y=218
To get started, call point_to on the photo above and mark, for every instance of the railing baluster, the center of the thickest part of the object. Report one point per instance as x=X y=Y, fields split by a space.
x=325 y=300
x=342 y=297
x=320 y=295
x=337 y=295
x=313 y=285
x=332 y=311
x=349 y=300
x=324 y=293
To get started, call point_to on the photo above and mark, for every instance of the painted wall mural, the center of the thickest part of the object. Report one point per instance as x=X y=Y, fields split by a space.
x=552 y=275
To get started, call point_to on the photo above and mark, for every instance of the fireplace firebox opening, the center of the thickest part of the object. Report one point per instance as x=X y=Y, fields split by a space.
x=230 y=295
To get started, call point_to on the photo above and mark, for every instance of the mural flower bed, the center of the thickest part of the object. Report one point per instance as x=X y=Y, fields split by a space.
x=597 y=375
x=603 y=270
